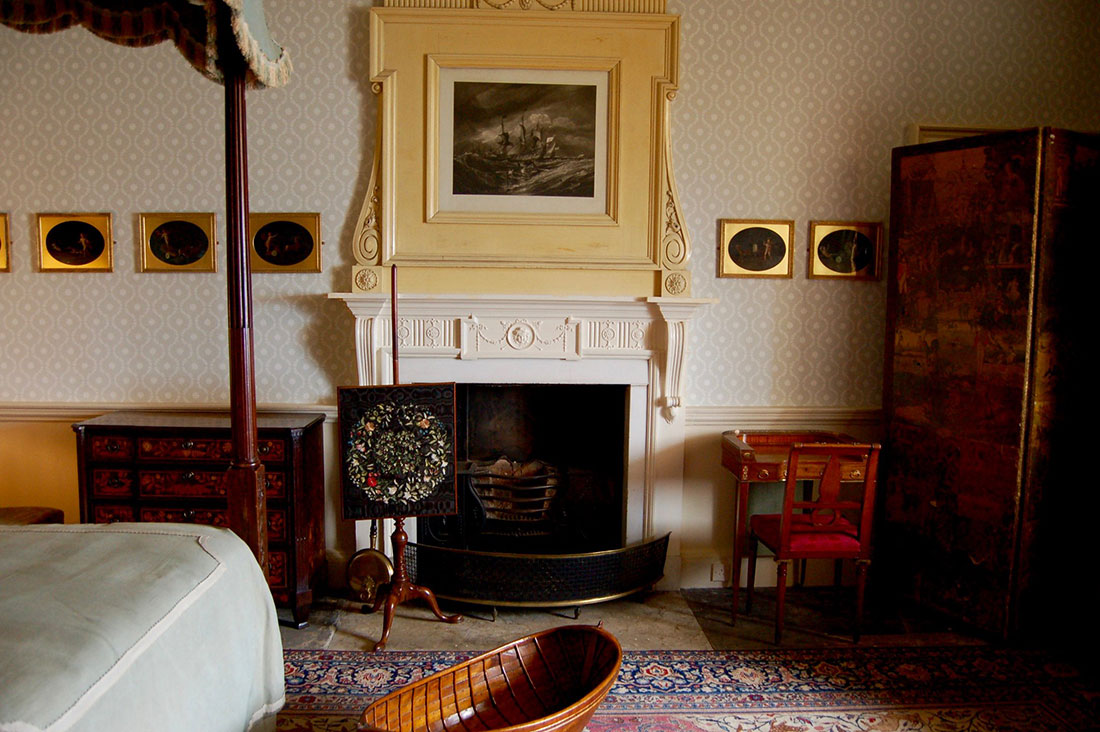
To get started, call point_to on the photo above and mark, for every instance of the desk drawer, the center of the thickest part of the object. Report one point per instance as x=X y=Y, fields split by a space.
x=204 y=448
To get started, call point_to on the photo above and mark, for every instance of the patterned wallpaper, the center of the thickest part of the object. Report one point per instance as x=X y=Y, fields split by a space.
x=787 y=109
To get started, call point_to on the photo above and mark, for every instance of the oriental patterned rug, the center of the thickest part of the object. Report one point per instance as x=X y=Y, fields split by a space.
x=972 y=688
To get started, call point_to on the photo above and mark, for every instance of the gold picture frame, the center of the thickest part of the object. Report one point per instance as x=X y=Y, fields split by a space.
x=285 y=242
x=178 y=242
x=849 y=250
x=755 y=248
x=5 y=244
x=75 y=242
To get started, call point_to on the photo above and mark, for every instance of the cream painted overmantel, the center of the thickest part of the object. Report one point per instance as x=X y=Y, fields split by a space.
x=637 y=342
x=627 y=239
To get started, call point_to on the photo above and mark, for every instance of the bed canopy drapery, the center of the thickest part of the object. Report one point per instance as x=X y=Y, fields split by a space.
x=228 y=42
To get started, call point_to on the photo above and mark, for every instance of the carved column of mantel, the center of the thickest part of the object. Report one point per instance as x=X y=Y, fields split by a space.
x=675 y=312
x=531 y=327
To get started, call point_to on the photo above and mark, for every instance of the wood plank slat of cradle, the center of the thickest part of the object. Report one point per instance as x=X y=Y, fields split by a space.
x=414 y=711
x=453 y=687
x=436 y=704
x=449 y=707
x=492 y=710
x=467 y=712
x=504 y=696
x=512 y=696
x=537 y=687
x=588 y=664
x=555 y=680
x=544 y=667
x=476 y=720
x=574 y=656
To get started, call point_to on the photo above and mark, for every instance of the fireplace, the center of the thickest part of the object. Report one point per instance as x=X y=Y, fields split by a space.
x=541 y=469
x=633 y=346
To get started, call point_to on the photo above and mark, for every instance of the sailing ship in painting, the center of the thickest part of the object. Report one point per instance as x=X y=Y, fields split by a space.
x=524 y=139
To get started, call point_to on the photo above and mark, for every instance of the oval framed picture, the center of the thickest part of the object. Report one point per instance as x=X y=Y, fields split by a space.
x=75 y=242
x=178 y=242
x=285 y=242
x=845 y=250
x=755 y=248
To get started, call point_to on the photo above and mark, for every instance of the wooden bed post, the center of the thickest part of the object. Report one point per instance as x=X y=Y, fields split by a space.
x=247 y=504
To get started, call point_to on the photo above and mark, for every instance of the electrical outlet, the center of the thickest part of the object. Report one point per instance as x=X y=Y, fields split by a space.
x=718 y=572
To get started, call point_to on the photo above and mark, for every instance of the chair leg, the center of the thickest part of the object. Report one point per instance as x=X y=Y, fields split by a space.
x=800 y=573
x=861 y=586
x=750 y=580
x=838 y=572
x=780 y=596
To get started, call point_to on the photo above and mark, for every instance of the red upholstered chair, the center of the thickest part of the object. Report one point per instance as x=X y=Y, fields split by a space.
x=834 y=523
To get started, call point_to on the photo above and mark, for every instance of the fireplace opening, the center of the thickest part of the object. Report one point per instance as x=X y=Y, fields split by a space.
x=541 y=470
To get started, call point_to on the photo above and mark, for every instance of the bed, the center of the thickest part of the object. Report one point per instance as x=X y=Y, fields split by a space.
x=135 y=627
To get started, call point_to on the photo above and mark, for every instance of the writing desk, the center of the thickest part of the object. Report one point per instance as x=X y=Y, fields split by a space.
x=761 y=457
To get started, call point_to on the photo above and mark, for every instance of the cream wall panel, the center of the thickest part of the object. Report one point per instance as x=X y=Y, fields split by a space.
x=38 y=466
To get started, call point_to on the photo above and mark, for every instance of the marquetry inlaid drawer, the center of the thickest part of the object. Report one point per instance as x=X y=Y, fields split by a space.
x=276 y=518
x=108 y=514
x=200 y=483
x=108 y=483
x=111 y=447
x=200 y=448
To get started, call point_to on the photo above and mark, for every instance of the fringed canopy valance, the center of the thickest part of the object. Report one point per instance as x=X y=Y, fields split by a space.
x=191 y=24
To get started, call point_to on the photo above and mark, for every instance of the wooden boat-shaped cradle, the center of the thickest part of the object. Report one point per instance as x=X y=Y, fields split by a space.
x=552 y=680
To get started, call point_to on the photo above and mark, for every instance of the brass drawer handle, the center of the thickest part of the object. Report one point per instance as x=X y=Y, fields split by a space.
x=764 y=474
x=265 y=449
x=188 y=445
x=113 y=447
x=189 y=477
x=857 y=473
x=114 y=482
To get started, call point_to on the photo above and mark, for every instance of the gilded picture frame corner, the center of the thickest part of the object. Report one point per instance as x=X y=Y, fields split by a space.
x=755 y=248
x=5 y=243
x=285 y=241
x=75 y=242
x=845 y=250
x=177 y=241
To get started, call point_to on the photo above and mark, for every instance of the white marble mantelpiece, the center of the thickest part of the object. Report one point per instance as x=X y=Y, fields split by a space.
x=635 y=341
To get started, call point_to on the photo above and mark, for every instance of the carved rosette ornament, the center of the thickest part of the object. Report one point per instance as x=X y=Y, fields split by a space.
x=675 y=284
x=365 y=279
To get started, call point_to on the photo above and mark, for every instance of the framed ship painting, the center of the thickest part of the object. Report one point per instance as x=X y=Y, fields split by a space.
x=5 y=244
x=75 y=242
x=520 y=141
x=285 y=242
x=845 y=250
x=755 y=248
x=397 y=450
x=178 y=242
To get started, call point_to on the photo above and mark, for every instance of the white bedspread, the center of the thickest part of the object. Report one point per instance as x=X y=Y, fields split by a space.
x=135 y=627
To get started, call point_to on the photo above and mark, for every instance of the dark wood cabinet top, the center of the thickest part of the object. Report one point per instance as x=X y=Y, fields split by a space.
x=198 y=420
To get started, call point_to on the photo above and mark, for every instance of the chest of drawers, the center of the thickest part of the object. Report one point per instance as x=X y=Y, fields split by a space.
x=166 y=466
